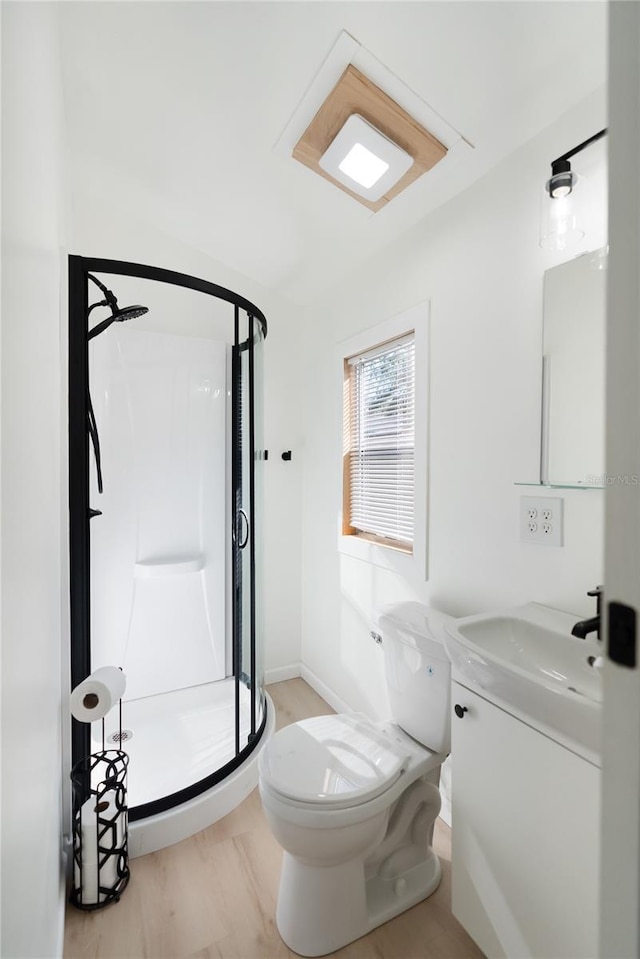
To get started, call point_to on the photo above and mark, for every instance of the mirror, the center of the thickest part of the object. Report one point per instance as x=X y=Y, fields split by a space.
x=573 y=414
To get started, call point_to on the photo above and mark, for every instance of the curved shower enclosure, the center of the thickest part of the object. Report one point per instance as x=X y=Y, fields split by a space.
x=165 y=475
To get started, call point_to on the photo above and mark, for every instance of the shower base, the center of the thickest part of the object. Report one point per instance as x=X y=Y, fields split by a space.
x=178 y=739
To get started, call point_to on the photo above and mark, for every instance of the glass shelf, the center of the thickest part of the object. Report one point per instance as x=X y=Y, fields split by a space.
x=559 y=485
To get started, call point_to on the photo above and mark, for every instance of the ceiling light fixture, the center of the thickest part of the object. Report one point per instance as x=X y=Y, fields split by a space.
x=365 y=143
x=561 y=227
x=364 y=159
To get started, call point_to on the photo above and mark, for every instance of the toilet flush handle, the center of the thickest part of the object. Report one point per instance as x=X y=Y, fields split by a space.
x=376 y=637
x=460 y=711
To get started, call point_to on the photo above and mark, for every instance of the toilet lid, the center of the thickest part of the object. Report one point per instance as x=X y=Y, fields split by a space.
x=331 y=759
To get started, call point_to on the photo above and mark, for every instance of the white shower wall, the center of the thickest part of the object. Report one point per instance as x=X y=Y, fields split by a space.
x=158 y=551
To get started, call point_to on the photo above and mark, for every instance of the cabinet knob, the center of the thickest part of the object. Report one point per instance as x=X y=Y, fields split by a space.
x=460 y=711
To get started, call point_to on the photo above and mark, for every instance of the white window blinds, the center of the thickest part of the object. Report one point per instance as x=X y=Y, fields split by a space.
x=380 y=427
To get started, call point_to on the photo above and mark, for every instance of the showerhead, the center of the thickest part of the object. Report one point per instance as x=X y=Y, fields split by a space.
x=118 y=314
x=130 y=313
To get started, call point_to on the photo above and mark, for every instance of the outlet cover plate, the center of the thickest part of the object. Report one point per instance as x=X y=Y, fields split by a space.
x=541 y=520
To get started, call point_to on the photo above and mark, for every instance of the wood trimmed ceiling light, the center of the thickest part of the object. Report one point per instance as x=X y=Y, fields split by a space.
x=357 y=110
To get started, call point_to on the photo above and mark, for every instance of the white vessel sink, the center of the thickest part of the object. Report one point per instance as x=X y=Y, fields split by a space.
x=526 y=661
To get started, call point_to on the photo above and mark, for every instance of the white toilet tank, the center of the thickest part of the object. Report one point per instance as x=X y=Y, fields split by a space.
x=418 y=672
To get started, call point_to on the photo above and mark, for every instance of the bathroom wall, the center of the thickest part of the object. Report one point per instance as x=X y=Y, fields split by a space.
x=478 y=262
x=33 y=488
x=102 y=228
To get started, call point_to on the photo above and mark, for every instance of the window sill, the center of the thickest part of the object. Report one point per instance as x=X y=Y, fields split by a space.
x=381 y=541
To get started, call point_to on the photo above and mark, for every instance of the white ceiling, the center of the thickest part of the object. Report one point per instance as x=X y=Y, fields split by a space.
x=174 y=109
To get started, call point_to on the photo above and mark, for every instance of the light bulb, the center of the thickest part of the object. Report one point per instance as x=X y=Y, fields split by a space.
x=561 y=227
x=363 y=166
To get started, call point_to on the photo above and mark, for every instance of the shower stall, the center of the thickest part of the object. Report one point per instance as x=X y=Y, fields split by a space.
x=165 y=489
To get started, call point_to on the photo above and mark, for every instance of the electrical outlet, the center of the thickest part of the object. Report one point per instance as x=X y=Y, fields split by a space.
x=542 y=520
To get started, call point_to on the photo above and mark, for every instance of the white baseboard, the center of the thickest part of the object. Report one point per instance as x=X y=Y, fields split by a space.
x=62 y=908
x=335 y=701
x=281 y=673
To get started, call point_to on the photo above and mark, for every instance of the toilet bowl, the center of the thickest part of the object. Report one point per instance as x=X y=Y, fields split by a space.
x=353 y=805
x=353 y=802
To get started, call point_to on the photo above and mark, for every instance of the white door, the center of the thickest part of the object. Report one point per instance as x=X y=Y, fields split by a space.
x=620 y=894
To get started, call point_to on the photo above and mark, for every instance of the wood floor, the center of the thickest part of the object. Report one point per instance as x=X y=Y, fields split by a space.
x=213 y=896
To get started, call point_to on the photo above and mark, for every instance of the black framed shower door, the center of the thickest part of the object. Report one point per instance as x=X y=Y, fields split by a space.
x=249 y=327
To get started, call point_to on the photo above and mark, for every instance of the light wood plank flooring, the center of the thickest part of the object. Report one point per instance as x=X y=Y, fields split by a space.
x=213 y=896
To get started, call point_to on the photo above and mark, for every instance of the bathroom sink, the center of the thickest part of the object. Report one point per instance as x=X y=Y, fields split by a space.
x=526 y=661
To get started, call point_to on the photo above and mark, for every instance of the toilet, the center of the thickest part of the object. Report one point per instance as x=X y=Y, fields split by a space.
x=353 y=802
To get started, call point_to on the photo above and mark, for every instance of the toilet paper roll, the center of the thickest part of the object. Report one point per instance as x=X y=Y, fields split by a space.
x=99 y=817
x=94 y=696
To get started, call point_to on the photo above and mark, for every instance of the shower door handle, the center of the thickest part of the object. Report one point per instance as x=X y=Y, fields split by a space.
x=239 y=539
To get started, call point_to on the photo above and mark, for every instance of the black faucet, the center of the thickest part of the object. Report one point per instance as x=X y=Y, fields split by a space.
x=586 y=626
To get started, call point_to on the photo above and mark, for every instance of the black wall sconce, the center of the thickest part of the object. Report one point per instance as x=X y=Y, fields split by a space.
x=560 y=224
x=563 y=179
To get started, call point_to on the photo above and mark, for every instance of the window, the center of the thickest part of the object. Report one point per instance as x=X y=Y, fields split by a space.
x=379 y=448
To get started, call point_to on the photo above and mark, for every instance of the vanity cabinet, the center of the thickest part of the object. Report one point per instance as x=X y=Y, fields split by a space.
x=525 y=835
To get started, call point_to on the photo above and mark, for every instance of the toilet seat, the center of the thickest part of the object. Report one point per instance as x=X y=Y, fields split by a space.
x=334 y=761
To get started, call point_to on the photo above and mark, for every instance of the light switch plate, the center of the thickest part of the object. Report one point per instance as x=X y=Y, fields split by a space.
x=542 y=520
